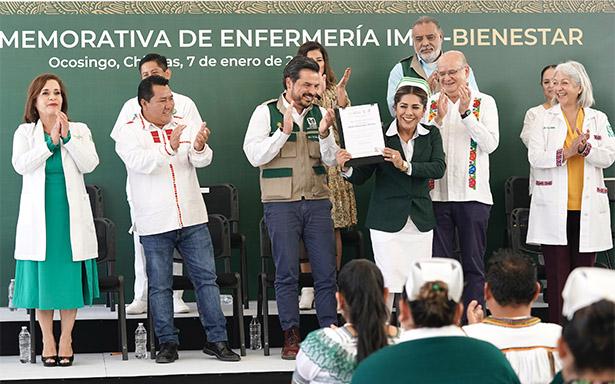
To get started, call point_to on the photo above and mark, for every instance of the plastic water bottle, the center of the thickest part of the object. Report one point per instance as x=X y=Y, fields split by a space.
x=255 y=333
x=11 y=293
x=226 y=299
x=140 y=342
x=24 y=345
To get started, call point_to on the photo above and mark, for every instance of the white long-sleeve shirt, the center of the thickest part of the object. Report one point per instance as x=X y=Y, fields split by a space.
x=260 y=148
x=532 y=121
x=462 y=160
x=397 y=74
x=184 y=109
x=164 y=188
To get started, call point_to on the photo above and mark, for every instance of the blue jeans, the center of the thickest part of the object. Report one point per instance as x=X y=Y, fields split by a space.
x=194 y=244
x=287 y=223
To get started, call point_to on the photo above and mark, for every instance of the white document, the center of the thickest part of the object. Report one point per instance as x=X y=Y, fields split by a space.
x=362 y=130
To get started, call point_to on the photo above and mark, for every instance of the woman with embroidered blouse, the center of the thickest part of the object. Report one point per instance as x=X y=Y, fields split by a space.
x=330 y=355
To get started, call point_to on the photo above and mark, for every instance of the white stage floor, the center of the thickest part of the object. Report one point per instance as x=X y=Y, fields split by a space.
x=99 y=365
x=101 y=312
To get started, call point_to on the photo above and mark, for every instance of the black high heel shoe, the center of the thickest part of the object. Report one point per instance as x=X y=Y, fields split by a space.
x=50 y=361
x=66 y=361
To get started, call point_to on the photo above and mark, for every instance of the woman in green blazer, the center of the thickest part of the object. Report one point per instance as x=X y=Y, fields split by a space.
x=400 y=215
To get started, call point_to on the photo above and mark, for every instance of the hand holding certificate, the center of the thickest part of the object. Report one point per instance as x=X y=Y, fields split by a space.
x=361 y=133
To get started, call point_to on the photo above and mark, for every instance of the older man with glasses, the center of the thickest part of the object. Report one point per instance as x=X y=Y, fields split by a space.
x=468 y=122
x=427 y=37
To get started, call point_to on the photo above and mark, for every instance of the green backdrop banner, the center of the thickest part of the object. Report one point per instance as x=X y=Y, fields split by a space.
x=228 y=57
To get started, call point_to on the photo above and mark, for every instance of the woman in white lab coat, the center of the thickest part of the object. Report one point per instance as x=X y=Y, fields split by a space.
x=569 y=212
x=55 y=243
x=537 y=113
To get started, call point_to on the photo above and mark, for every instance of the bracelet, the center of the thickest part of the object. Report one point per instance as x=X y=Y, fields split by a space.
x=586 y=150
x=324 y=137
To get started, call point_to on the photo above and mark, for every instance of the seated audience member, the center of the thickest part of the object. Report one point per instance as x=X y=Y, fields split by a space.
x=433 y=348
x=587 y=345
x=529 y=345
x=330 y=355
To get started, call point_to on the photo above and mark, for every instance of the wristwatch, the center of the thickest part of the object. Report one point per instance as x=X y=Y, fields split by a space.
x=466 y=114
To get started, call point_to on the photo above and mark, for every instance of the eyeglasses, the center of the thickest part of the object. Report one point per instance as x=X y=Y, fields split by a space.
x=450 y=72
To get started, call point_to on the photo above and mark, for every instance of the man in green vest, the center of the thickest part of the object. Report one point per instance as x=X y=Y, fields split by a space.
x=427 y=37
x=289 y=139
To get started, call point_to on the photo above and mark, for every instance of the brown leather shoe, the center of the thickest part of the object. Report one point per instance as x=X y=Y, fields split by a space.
x=291 y=344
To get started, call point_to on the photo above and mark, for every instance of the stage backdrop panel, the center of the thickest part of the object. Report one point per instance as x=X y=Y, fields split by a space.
x=229 y=56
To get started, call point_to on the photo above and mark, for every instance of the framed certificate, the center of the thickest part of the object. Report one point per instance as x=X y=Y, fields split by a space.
x=361 y=133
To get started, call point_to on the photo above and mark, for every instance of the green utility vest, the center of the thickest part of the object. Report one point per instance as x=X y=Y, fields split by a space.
x=297 y=171
x=412 y=69
x=406 y=66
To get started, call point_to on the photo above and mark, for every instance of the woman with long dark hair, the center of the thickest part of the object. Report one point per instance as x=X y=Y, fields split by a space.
x=344 y=206
x=433 y=348
x=330 y=355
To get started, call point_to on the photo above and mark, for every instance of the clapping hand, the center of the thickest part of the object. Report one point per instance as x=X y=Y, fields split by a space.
x=62 y=119
x=175 y=136
x=475 y=312
x=326 y=122
x=287 y=128
x=433 y=81
x=55 y=133
x=322 y=85
x=577 y=146
x=582 y=142
x=442 y=108
x=464 y=98
x=340 y=89
x=201 y=137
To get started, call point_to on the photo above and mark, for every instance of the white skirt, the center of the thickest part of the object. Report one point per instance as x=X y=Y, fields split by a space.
x=395 y=252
